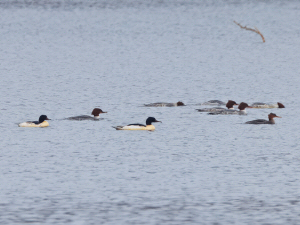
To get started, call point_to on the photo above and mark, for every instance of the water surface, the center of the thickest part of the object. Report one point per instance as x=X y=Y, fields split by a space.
x=63 y=58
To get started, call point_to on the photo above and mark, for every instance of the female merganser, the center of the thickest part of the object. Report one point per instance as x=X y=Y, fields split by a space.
x=164 y=104
x=242 y=110
x=264 y=105
x=95 y=113
x=229 y=105
x=214 y=102
x=41 y=123
x=261 y=121
x=138 y=126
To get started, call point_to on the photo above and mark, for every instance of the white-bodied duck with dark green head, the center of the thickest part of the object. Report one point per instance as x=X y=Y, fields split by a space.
x=137 y=126
x=41 y=123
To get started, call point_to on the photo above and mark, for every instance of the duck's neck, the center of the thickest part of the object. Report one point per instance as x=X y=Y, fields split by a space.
x=243 y=111
x=97 y=117
x=271 y=120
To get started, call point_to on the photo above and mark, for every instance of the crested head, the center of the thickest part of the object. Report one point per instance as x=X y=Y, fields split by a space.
x=97 y=111
x=243 y=106
x=280 y=105
x=180 y=103
x=273 y=115
x=230 y=104
x=43 y=118
x=151 y=120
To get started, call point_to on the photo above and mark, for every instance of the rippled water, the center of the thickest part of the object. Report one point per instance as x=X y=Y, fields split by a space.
x=63 y=58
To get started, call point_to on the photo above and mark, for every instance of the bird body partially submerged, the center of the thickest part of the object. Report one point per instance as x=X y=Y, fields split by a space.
x=262 y=105
x=229 y=105
x=41 y=123
x=271 y=120
x=96 y=115
x=137 y=126
x=165 y=104
x=242 y=110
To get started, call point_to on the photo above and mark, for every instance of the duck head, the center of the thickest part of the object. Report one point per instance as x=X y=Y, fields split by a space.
x=273 y=115
x=243 y=106
x=151 y=120
x=43 y=118
x=180 y=103
x=97 y=111
x=230 y=104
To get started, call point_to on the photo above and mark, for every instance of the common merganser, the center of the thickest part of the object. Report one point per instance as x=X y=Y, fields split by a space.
x=229 y=105
x=214 y=102
x=96 y=112
x=164 y=104
x=242 y=110
x=41 y=123
x=265 y=105
x=138 y=126
x=261 y=121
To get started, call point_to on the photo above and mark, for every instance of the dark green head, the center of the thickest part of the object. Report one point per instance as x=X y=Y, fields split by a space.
x=43 y=118
x=151 y=120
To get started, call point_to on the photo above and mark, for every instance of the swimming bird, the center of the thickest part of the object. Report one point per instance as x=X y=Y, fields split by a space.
x=242 y=110
x=96 y=112
x=229 y=105
x=265 y=105
x=41 y=123
x=271 y=120
x=137 y=126
x=164 y=104
x=214 y=102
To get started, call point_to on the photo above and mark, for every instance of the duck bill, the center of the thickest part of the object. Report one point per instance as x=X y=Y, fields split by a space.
x=249 y=107
x=104 y=112
x=158 y=121
x=278 y=116
x=47 y=119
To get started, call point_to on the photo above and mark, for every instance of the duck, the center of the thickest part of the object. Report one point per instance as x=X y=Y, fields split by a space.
x=96 y=112
x=41 y=123
x=271 y=120
x=164 y=104
x=229 y=105
x=242 y=110
x=214 y=102
x=265 y=105
x=137 y=126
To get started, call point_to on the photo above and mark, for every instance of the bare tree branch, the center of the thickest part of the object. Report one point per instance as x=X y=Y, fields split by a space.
x=254 y=30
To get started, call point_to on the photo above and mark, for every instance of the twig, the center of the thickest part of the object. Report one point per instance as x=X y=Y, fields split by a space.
x=254 y=30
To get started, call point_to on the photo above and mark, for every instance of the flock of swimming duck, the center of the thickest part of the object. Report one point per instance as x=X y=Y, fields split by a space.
x=229 y=110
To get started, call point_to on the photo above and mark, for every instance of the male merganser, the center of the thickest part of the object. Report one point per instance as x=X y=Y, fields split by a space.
x=265 y=105
x=95 y=113
x=41 y=123
x=214 y=102
x=229 y=105
x=138 y=126
x=242 y=110
x=164 y=104
x=261 y=121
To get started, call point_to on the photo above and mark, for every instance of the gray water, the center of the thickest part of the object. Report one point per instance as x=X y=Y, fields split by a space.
x=63 y=58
